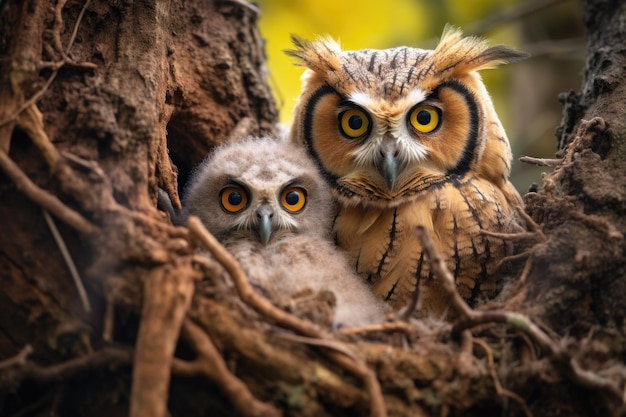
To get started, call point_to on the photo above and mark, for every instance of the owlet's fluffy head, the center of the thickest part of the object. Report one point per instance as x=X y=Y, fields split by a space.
x=259 y=189
x=384 y=125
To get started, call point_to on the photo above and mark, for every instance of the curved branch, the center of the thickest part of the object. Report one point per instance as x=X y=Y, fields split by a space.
x=211 y=364
x=30 y=371
x=42 y=197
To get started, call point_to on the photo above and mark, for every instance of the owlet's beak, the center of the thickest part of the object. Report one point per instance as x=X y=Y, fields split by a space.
x=387 y=163
x=264 y=225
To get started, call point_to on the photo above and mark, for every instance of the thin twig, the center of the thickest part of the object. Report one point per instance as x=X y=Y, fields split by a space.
x=211 y=364
x=469 y=318
x=246 y=5
x=45 y=199
x=535 y=230
x=527 y=267
x=35 y=97
x=264 y=307
x=500 y=390
x=31 y=101
x=510 y=236
x=385 y=327
x=530 y=222
x=109 y=317
x=56 y=35
x=75 y=29
x=58 y=26
x=327 y=343
x=512 y=258
x=514 y=12
x=439 y=269
x=30 y=371
x=31 y=122
x=67 y=257
x=19 y=359
x=541 y=162
x=408 y=311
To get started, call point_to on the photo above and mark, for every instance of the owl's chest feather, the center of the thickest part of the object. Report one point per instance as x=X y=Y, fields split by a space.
x=384 y=248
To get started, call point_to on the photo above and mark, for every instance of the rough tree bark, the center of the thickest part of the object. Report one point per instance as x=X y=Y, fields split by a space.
x=106 y=308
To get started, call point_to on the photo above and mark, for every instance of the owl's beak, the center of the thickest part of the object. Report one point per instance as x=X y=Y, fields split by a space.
x=388 y=165
x=264 y=224
x=389 y=169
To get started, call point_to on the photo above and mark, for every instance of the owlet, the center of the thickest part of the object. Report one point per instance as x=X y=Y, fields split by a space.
x=266 y=202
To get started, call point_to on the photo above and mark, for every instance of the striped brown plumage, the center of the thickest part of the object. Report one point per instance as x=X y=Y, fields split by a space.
x=409 y=137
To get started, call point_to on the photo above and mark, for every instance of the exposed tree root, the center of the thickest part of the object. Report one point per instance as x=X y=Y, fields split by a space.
x=167 y=294
x=210 y=364
x=350 y=362
x=44 y=198
x=559 y=357
x=25 y=370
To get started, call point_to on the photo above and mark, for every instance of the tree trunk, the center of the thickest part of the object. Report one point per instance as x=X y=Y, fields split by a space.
x=106 y=308
x=97 y=98
x=578 y=280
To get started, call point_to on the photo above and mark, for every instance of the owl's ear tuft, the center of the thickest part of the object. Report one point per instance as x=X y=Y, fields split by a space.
x=455 y=54
x=321 y=55
x=497 y=55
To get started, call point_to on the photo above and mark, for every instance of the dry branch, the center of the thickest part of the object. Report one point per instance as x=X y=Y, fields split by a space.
x=542 y=162
x=67 y=257
x=496 y=381
x=45 y=199
x=29 y=371
x=167 y=294
x=19 y=359
x=468 y=318
x=210 y=364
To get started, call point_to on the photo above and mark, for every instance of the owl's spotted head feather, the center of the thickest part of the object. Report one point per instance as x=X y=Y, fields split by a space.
x=384 y=125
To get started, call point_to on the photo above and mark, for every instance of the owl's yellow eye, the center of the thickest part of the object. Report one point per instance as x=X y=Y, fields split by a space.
x=233 y=199
x=293 y=199
x=425 y=119
x=354 y=123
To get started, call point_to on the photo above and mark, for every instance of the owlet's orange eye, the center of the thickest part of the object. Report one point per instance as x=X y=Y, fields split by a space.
x=354 y=123
x=233 y=199
x=425 y=119
x=293 y=199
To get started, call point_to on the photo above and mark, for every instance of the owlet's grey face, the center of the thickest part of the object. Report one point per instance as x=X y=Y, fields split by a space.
x=259 y=189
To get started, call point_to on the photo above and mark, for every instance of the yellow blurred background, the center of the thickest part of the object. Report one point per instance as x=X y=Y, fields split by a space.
x=525 y=93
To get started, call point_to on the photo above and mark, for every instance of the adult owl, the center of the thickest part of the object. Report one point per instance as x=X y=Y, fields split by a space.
x=408 y=137
x=266 y=202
